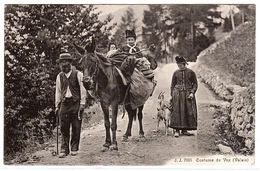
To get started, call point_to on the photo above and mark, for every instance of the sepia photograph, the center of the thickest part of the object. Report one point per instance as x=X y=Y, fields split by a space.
x=129 y=84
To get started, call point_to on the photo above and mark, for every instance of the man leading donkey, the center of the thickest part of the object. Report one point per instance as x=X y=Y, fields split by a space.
x=69 y=102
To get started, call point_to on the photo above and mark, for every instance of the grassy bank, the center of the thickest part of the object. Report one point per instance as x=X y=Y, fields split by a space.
x=228 y=67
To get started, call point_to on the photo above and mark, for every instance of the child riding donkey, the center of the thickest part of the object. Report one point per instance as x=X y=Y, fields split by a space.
x=141 y=80
x=104 y=76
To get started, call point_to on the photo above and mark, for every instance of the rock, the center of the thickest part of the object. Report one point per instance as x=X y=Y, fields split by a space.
x=243 y=150
x=22 y=159
x=250 y=109
x=248 y=126
x=211 y=109
x=238 y=121
x=239 y=113
x=248 y=143
x=241 y=133
x=246 y=118
x=235 y=88
x=233 y=114
x=225 y=149
x=251 y=134
x=225 y=105
x=252 y=119
x=31 y=161
x=36 y=158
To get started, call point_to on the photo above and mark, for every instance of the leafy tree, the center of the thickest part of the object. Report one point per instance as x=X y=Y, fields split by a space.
x=128 y=21
x=192 y=26
x=153 y=29
x=247 y=12
x=34 y=35
x=227 y=25
x=193 y=23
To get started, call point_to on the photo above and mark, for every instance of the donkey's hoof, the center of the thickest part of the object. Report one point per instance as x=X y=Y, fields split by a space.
x=107 y=144
x=104 y=149
x=113 y=147
x=125 y=139
x=141 y=136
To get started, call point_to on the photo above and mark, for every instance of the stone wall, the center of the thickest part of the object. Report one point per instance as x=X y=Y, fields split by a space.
x=239 y=108
x=238 y=105
x=242 y=115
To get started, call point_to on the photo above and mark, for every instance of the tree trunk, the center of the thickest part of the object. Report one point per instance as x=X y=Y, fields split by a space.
x=232 y=19
x=172 y=45
x=166 y=56
x=192 y=31
x=243 y=16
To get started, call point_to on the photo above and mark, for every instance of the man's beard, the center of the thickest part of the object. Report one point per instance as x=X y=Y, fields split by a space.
x=66 y=68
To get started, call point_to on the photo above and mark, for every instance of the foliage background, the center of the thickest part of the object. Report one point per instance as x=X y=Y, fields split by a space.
x=34 y=35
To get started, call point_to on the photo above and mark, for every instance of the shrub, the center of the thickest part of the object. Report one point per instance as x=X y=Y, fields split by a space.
x=235 y=56
x=34 y=35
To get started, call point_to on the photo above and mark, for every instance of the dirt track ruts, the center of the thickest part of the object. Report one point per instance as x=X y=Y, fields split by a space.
x=156 y=148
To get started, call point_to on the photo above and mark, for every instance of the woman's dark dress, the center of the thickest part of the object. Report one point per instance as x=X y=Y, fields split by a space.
x=184 y=110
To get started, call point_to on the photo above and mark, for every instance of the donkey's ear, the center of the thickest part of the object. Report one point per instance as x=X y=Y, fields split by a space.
x=91 y=45
x=79 y=49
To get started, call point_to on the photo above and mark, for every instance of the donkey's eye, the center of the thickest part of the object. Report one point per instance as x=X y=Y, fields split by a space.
x=86 y=78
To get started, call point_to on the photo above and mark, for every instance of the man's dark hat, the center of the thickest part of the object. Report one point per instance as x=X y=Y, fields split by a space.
x=65 y=55
x=180 y=59
x=130 y=33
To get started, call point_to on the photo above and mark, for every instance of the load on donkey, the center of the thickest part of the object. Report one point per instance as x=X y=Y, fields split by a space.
x=116 y=80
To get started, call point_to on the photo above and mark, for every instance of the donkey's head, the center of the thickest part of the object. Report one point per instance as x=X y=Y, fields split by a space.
x=89 y=63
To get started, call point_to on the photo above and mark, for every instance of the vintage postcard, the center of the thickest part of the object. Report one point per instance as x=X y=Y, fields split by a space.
x=164 y=85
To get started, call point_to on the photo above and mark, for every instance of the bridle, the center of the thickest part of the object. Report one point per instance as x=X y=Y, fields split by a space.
x=93 y=77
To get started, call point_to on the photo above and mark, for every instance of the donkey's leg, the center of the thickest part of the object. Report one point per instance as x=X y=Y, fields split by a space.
x=105 y=109
x=140 y=119
x=114 y=127
x=130 y=113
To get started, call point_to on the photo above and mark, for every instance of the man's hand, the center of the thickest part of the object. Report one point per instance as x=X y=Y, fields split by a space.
x=56 y=111
x=191 y=96
x=81 y=107
x=81 y=110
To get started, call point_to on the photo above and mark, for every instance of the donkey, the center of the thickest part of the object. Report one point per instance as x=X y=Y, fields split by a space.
x=103 y=77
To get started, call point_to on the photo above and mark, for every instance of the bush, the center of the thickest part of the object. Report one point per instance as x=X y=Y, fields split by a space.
x=235 y=56
x=34 y=35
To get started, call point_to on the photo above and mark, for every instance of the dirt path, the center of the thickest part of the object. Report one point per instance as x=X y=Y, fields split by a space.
x=156 y=149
